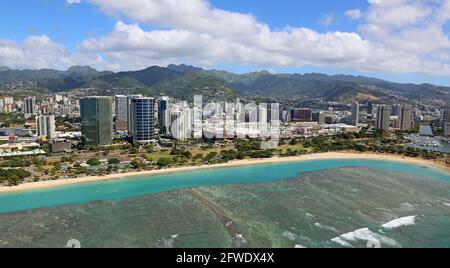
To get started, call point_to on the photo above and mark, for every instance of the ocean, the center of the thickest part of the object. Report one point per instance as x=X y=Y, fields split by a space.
x=316 y=203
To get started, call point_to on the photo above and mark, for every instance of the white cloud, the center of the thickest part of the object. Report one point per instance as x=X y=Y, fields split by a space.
x=34 y=52
x=193 y=15
x=73 y=1
x=392 y=15
x=354 y=14
x=415 y=27
x=129 y=46
x=327 y=20
x=396 y=36
x=39 y=52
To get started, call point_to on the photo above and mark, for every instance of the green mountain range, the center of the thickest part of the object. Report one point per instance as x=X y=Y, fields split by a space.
x=184 y=81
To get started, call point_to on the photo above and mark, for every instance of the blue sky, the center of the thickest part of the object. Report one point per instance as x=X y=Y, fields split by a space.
x=70 y=24
x=62 y=22
x=398 y=40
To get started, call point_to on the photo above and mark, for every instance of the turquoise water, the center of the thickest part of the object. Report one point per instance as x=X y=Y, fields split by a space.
x=137 y=186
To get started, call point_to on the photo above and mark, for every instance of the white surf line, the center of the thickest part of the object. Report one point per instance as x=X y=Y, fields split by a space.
x=363 y=234
x=405 y=221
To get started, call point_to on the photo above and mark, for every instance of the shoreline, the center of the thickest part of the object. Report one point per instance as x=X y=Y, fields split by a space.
x=235 y=163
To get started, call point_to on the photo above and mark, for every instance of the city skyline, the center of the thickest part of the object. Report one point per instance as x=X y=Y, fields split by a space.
x=355 y=37
x=218 y=124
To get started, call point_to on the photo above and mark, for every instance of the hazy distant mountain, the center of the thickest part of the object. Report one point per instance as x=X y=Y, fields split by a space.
x=196 y=83
x=184 y=81
x=81 y=70
x=337 y=87
x=53 y=80
x=143 y=78
x=180 y=81
x=185 y=69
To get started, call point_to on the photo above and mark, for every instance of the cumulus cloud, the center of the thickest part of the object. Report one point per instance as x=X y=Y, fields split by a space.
x=193 y=15
x=131 y=46
x=39 y=52
x=396 y=36
x=415 y=27
x=353 y=14
x=34 y=52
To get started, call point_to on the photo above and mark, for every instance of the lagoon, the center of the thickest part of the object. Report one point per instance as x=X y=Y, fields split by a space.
x=128 y=187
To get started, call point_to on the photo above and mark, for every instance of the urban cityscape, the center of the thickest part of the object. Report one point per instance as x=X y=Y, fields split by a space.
x=136 y=131
x=221 y=125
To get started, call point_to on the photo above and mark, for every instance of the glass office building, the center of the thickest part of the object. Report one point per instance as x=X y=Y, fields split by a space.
x=164 y=115
x=96 y=120
x=121 y=110
x=143 y=120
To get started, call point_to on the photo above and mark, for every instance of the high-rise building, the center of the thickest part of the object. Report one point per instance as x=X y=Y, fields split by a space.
x=58 y=98
x=355 y=113
x=45 y=126
x=164 y=115
x=319 y=117
x=396 y=114
x=129 y=99
x=121 y=110
x=65 y=110
x=189 y=122
x=369 y=108
x=405 y=117
x=316 y=117
x=29 y=106
x=178 y=127
x=142 y=115
x=8 y=108
x=263 y=118
x=9 y=100
x=447 y=113
x=284 y=115
x=446 y=120
x=383 y=117
x=396 y=109
x=96 y=120
x=301 y=115
x=447 y=129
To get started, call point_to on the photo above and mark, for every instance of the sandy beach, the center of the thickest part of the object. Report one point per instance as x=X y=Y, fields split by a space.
x=332 y=155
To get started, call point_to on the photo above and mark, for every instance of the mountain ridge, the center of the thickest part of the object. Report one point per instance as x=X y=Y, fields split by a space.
x=186 y=80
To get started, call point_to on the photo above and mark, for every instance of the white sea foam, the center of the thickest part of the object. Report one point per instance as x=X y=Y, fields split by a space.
x=168 y=243
x=326 y=227
x=447 y=204
x=405 y=221
x=299 y=246
x=239 y=240
x=341 y=242
x=407 y=206
x=363 y=234
x=290 y=236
